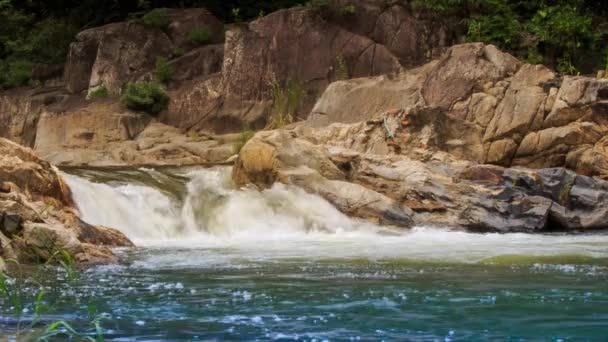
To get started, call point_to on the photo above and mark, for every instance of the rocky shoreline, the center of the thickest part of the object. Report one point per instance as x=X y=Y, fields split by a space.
x=394 y=126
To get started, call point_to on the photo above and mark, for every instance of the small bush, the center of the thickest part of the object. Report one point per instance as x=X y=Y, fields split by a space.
x=164 y=71
x=286 y=100
x=149 y=97
x=100 y=93
x=157 y=18
x=199 y=36
x=244 y=137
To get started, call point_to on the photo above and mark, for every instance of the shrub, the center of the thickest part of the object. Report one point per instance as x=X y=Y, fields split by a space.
x=149 y=97
x=199 y=35
x=157 y=18
x=15 y=73
x=286 y=100
x=244 y=137
x=99 y=93
x=164 y=71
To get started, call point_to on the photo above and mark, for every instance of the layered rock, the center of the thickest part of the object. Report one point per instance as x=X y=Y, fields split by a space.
x=509 y=113
x=367 y=171
x=37 y=217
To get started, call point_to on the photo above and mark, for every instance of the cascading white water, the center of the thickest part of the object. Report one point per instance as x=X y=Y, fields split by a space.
x=211 y=208
x=285 y=222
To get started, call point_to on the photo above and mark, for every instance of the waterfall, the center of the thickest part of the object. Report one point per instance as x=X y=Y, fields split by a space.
x=210 y=207
x=202 y=208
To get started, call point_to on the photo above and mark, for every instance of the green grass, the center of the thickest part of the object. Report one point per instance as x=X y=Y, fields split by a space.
x=286 y=100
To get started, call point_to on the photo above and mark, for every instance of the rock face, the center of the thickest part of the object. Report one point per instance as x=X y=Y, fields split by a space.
x=507 y=113
x=104 y=134
x=368 y=171
x=117 y=53
x=37 y=219
x=301 y=46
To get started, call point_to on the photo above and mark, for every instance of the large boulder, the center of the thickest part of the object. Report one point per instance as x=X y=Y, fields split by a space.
x=37 y=217
x=279 y=156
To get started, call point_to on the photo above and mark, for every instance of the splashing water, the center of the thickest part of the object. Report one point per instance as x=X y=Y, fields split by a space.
x=286 y=222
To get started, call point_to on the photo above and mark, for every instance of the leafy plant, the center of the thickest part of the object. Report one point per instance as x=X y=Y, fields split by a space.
x=149 y=97
x=243 y=138
x=100 y=92
x=164 y=71
x=199 y=36
x=157 y=19
x=286 y=100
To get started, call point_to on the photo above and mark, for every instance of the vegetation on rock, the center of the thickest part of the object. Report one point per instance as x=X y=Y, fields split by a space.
x=157 y=19
x=199 y=35
x=164 y=71
x=99 y=93
x=148 y=97
x=286 y=100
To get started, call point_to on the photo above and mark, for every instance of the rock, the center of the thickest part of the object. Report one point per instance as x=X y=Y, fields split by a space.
x=117 y=53
x=31 y=174
x=37 y=218
x=320 y=48
x=420 y=188
x=10 y=224
x=2 y=265
x=507 y=113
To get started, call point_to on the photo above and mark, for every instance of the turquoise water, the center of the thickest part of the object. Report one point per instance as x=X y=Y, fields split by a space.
x=360 y=299
x=218 y=263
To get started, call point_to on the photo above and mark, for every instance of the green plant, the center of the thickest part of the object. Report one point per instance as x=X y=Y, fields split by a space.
x=15 y=73
x=348 y=9
x=286 y=100
x=565 y=66
x=318 y=6
x=199 y=35
x=341 y=68
x=164 y=71
x=100 y=92
x=177 y=52
x=236 y=15
x=157 y=19
x=149 y=97
x=243 y=138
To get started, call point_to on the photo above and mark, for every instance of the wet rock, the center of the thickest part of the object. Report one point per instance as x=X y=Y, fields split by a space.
x=10 y=224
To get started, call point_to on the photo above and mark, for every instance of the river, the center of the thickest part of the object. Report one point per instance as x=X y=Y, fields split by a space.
x=214 y=262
